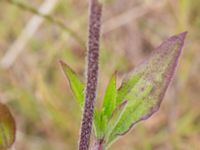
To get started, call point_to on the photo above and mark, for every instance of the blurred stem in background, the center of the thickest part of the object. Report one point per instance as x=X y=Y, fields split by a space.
x=49 y=18
x=41 y=14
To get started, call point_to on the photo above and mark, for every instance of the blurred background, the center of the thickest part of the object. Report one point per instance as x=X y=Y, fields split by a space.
x=34 y=87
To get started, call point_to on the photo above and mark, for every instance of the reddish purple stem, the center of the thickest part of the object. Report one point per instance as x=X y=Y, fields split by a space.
x=92 y=73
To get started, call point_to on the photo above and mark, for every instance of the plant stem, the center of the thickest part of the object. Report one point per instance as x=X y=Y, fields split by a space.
x=95 y=10
x=98 y=145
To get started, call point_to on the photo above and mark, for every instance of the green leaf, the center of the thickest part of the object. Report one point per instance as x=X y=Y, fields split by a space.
x=100 y=124
x=144 y=98
x=114 y=118
x=77 y=88
x=76 y=84
x=127 y=84
x=109 y=101
x=96 y=123
x=7 y=128
x=133 y=110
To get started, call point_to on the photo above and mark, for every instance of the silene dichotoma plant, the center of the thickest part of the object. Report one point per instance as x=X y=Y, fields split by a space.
x=138 y=97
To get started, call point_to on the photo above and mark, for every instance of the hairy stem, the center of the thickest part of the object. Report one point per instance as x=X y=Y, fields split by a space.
x=95 y=10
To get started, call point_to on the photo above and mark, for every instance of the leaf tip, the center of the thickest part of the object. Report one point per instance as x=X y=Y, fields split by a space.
x=65 y=66
x=114 y=75
x=179 y=37
x=61 y=62
x=183 y=35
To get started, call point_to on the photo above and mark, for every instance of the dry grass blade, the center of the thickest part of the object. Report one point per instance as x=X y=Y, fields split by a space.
x=31 y=27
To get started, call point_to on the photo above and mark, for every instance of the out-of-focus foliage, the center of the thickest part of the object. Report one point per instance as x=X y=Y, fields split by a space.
x=34 y=87
x=7 y=128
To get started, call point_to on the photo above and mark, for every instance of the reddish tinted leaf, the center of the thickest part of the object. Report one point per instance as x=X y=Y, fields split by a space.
x=145 y=96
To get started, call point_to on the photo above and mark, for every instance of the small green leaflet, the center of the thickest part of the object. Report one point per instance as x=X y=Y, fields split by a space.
x=76 y=85
x=109 y=101
x=100 y=124
x=150 y=83
x=77 y=88
x=7 y=128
